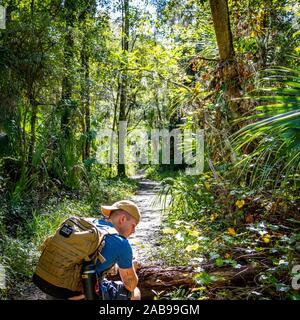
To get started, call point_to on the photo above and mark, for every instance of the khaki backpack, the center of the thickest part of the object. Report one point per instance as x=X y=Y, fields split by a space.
x=75 y=241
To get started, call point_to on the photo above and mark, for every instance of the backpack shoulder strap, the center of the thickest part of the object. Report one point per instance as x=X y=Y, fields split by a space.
x=108 y=230
x=104 y=230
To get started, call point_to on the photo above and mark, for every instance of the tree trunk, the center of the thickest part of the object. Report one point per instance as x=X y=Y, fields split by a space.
x=228 y=67
x=85 y=82
x=32 y=130
x=123 y=86
x=220 y=14
x=89 y=11
x=111 y=151
x=67 y=83
x=85 y=100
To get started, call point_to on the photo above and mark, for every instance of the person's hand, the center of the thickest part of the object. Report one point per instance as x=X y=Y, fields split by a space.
x=113 y=271
x=137 y=265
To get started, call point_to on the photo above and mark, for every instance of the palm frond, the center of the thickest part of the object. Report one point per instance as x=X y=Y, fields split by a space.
x=275 y=133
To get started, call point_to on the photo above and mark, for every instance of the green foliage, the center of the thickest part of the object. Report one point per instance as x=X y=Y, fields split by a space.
x=104 y=190
x=160 y=172
x=268 y=249
x=18 y=258
x=224 y=226
x=22 y=236
x=275 y=134
x=62 y=67
x=195 y=197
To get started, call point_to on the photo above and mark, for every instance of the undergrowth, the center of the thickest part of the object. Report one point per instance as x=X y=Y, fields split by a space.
x=26 y=223
x=242 y=243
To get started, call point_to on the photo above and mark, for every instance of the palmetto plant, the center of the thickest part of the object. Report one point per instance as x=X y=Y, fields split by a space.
x=274 y=136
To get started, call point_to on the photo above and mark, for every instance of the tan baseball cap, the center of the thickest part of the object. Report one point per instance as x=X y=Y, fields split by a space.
x=125 y=205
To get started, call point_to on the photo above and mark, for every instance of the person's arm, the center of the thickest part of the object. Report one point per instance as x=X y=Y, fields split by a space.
x=129 y=278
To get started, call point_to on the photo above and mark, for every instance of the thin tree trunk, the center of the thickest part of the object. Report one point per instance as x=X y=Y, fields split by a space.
x=33 y=105
x=89 y=10
x=123 y=86
x=23 y=139
x=113 y=129
x=157 y=107
x=32 y=130
x=67 y=83
x=88 y=125
x=85 y=100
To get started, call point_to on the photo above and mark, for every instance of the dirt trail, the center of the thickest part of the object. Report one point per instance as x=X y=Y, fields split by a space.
x=144 y=237
x=142 y=240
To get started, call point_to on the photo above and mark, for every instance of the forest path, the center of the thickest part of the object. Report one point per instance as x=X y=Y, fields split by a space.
x=144 y=238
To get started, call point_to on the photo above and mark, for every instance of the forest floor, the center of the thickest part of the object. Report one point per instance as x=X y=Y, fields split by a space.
x=142 y=240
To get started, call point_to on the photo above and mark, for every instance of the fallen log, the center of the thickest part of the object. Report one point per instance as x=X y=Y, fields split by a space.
x=155 y=279
x=236 y=277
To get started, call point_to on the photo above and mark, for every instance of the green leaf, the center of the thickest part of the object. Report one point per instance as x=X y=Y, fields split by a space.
x=219 y=262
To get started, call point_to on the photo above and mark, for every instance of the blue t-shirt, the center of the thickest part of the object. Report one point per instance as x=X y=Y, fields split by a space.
x=116 y=250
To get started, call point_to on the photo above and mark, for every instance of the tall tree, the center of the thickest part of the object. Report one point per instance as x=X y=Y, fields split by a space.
x=68 y=79
x=123 y=84
x=87 y=13
x=227 y=65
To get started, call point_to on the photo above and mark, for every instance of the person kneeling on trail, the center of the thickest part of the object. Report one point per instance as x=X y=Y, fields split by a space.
x=124 y=217
x=61 y=276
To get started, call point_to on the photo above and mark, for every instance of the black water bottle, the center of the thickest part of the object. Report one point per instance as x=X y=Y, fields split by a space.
x=89 y=280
